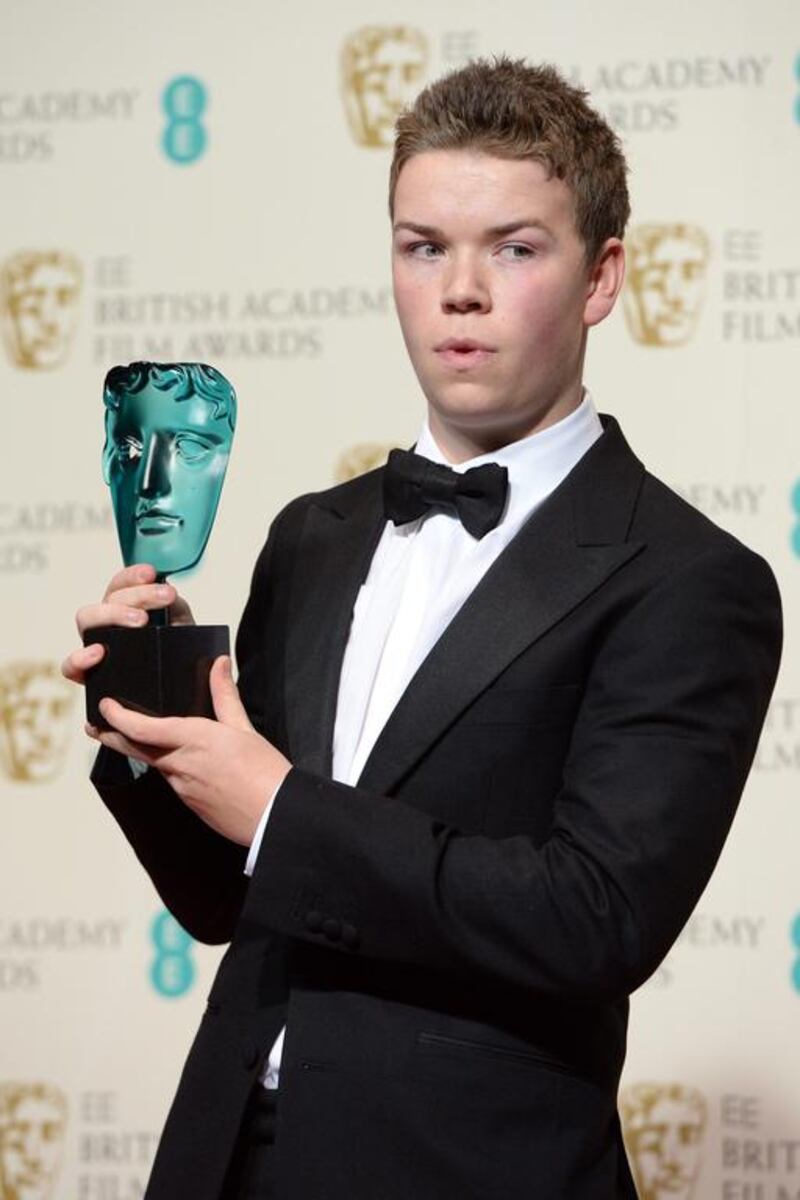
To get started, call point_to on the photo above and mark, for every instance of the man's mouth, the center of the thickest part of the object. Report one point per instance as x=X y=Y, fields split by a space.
x=463 y=352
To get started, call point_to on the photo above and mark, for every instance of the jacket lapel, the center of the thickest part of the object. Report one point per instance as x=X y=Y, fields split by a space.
x=564 y=552
x=341 y=531
x=568 y=548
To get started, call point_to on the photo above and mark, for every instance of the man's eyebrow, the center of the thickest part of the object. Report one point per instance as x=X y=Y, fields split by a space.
x=515 y=226
x=430 y=231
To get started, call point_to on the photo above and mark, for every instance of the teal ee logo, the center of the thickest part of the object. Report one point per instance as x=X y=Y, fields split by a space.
x=796 y=510
x=797 y=98
x=795 y=935
x=184 y=101
x=172 y=971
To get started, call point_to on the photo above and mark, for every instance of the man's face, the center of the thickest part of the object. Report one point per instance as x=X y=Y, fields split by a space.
x=35 y=725
x=165 y=462
x=493 y=291
x=30 y=1150
x=666 y=1151
x=42 y=311
x=667 y=283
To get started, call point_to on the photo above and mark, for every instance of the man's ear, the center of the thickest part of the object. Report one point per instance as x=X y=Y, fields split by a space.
x=605 y=280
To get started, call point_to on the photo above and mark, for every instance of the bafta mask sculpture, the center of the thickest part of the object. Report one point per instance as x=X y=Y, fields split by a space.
x=39 y=292
x=169 y=428
x=168 y=434
x=665 y=288
x=383 y=68
x=664 y=1125
x=33 y=1118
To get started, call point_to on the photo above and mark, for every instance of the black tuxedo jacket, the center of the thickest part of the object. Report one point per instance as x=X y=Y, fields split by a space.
x=452 y=942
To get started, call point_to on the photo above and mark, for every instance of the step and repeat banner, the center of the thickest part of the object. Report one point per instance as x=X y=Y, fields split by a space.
x=197 y=181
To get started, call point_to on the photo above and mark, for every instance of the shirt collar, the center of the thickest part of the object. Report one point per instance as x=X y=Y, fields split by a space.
x=536 y=464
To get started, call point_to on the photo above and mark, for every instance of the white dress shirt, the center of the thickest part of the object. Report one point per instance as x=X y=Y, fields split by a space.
x=420 y=575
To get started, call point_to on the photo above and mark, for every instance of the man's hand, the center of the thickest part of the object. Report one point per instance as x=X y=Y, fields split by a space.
x=129 y=596
x=223 y=770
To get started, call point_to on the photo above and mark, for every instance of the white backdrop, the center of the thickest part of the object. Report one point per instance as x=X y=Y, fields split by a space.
x=202 y=181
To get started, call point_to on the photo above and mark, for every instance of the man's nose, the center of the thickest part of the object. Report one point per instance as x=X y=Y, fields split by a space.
x=156 y=467
x=465 y=288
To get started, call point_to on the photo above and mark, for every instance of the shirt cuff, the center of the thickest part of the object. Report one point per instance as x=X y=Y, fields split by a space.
x=255 y=845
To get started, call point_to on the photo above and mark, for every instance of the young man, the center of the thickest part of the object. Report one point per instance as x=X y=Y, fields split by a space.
x=487 y=750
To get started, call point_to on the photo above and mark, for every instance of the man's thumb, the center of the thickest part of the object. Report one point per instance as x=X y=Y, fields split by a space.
x=228 y=707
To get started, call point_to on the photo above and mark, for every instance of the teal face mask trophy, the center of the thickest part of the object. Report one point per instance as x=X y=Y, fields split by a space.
x=169 y=428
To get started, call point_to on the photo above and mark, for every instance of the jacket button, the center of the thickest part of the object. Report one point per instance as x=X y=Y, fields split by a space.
x=350 y=936
x=332 y=929
x=313 y=921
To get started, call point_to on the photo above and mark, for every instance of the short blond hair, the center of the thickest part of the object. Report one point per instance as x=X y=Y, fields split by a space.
x=509 y=109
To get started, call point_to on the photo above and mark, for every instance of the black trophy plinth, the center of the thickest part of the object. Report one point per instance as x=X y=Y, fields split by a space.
x=161 y=670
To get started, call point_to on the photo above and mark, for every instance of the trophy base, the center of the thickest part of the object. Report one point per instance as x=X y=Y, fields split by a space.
x=159 y=670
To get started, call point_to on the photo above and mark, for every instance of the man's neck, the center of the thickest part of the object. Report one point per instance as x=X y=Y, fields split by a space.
x=459 y=443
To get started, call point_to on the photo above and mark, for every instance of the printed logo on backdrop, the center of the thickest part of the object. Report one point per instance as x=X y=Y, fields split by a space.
x=113 y=1157
x=34 y=125
x=363 y=457
x=30 y=945
x=707 y=940
x=184 y=102
x=734 y=504
x=795 y=939
x=756 y=293
x=760 y=290
x=39 y=295
x=795 y=500
x=797 y=98
x=666 y=282
x=651 y=95
x=30 y=530
x=35 y=708
x=382 y=69
x=271 y=321
x=664 y=1127
x=33 y=1122
x=778 y=750
x=172 y=969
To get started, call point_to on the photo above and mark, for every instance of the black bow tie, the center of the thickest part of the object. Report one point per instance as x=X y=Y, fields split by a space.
x=412 y=485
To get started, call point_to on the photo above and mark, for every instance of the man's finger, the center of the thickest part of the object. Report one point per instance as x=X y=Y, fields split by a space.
x=75 y=665
x=123 y=745
x=163 y=733
x=130 y=577
x=228 y=706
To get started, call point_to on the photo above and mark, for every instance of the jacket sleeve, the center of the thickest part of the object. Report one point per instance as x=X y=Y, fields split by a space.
x=659 y=755
x=198 y=874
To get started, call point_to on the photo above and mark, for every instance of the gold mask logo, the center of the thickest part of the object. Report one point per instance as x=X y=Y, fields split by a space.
x=366 y=456
x=39 y=294
x=666 y=282
x=33 y=1120
x=35 y=704
x=382 y=70
x=664 y=1125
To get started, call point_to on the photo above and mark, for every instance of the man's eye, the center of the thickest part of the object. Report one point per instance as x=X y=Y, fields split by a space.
x=517 y=252
x=192 y=449
x=423 y=250
x=129 y=450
